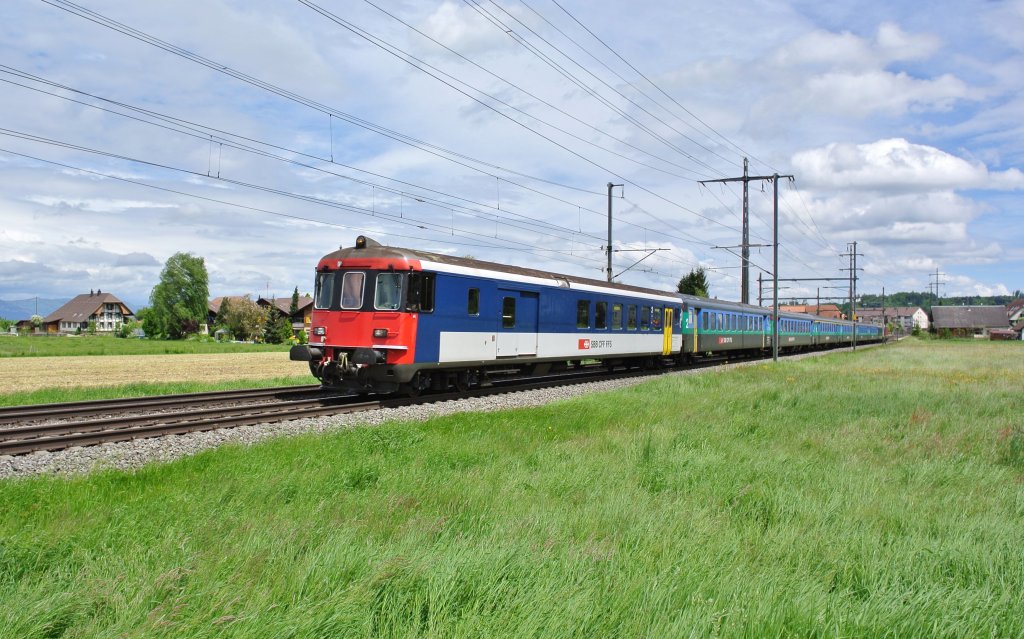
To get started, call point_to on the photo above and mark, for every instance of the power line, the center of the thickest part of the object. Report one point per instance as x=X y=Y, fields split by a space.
x=616 y=73
x=475 y=4
x=436 y=150
x=638 y=72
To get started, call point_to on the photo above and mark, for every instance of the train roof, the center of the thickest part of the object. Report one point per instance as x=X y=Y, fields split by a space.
x=377 y=251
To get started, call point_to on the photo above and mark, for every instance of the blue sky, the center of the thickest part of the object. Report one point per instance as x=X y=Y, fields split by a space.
x=902 y=126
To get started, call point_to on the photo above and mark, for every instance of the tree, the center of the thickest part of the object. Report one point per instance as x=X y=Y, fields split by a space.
x=223 y=313
x=278 y=329
x=6 y=324
x=695 y=283
x=294 y=308
x=244 y=318
x=178 y=302
x=36 y=321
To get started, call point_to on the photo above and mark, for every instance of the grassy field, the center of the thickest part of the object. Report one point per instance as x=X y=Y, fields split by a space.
x=48 y=379
x=64 y=346
x=866 y=495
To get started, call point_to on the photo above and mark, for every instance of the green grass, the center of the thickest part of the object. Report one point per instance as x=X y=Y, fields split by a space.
x=40 y=346
x=866 y=495
x=141 y=389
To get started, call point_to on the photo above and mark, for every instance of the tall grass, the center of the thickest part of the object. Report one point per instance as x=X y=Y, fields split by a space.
x=875 y=494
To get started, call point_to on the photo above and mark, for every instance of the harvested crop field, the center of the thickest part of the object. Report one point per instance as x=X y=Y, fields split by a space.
x=24 y=374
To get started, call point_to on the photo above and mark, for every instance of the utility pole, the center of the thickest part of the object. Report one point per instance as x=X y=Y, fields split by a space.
x=936 y=284
x=759 y=295
x=744 y=280
x=608 y=249
x=852 y=248
x=745 y=245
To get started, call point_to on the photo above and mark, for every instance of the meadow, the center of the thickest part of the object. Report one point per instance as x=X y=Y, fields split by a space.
x=71 y=345
x=872 y=494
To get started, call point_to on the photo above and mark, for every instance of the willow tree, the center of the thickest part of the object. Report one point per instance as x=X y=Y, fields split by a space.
x=178 y=303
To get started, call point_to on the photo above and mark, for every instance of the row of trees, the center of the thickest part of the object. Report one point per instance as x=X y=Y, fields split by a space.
x=178 y=306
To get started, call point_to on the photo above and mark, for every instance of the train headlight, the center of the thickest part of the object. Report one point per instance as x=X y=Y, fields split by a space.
x=319 y=330
x=380 y=332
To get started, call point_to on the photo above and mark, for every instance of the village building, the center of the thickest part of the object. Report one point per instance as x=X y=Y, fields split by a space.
x=300 y=319
x=905 y=317
x=965 y=321
x=1015 y=310
x=105 y=309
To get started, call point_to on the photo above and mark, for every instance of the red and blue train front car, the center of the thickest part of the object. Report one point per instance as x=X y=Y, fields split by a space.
x=390 y=319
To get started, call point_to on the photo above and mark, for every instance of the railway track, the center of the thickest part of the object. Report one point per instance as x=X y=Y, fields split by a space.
x=53 y=427
x=34 y=428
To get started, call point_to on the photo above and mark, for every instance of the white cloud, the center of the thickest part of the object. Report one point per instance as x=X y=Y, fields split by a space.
x=98 y=205
x=897 y=165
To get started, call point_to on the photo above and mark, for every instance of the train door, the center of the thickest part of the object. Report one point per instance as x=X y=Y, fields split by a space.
x=519 y=315
x=666 y=341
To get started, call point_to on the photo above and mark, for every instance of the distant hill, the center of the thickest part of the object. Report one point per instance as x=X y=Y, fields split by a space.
x=24 y=309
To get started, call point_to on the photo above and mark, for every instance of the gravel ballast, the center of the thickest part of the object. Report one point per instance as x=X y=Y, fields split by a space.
x=134 y=454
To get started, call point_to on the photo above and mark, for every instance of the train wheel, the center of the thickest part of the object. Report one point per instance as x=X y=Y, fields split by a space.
x=413 y=388
x=462 y=381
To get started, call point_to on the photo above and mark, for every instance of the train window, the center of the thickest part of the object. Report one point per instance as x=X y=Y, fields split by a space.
x=601 y=315
x=508 y=312
x=473 y=301
x=352 y=290
x=324 y=290
x=616 y=317
x=631 y=317
x=704 y=318
x=720 y=325
x=389 y=291
x=583 y=314
x=421 y=292
x=645 y=318
x=732 y=323
x=656 y=314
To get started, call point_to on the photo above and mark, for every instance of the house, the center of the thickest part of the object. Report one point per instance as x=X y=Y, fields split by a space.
x=1019 y=328
x=964 y=321
x=830 y=311
x=213 y=306
x=1015 y=310
x=300 y=319
x=108 y=312
x=905 y=317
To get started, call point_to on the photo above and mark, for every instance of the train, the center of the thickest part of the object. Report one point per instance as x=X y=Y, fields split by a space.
x=396 y=320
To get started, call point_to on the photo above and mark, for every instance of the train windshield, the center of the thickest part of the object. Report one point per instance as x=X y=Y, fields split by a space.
x=352 y=290
x=324 y=290
x=389 y=292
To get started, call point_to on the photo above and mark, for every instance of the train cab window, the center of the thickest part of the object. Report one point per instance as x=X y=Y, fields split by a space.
x=421 y=292
x=616 y=317
x=324 y=290
x=388 y=296
x=601 y=315
x=352 y=290
x=645 y=318
x=583 y=314
x=656 y=314
x=631 y=317
x=473 y=301
x=508 y=312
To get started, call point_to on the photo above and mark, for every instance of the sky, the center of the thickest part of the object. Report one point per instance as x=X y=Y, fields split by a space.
x=262 y=135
